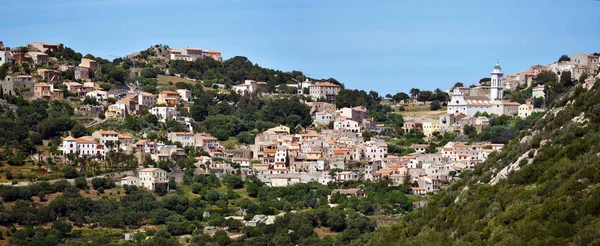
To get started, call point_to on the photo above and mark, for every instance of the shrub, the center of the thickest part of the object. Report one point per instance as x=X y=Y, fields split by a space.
x=70 y=172
x=81 y=183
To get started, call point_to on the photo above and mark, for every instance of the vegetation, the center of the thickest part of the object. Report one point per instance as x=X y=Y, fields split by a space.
x=550 y=199
x=234 y=71
x=207 y=205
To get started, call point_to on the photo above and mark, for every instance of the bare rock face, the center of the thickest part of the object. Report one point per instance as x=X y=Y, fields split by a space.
x=502 y=174
x=526 y=139
x=590 y=82
x=580 y=118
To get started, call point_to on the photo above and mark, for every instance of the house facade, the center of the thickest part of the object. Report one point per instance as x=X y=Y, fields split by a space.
x=324 y=90
x=151 y=177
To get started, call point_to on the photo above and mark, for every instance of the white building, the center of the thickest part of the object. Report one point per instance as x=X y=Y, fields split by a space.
x=302 y=85
x=346 y=126
x=375 y=150
x=181 y=57
x=184 y=94
x=105 y=136
x=249 y=86
x=130 y=180
x=357 y=114
x=101 y=96
x=206 y=141
x=324 y=90
x=150 y=177
x=496 y=90
x=525 y=110
x=5 y=57
x=165 y=113
x=428 y=184
x=147 y=99
x=281 y=155
x=284 y=180
x=468 y=105
x=185 y=138
x=83 y=146
x=538 y=92
x=323 y=118
x=463 y=103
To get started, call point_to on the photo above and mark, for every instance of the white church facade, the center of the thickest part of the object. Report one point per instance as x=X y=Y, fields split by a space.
x=463 y=103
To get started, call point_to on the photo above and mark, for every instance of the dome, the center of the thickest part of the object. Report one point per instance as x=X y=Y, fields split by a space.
x=497 y=66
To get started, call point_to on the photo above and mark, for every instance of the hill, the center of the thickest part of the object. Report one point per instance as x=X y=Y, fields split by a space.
x=543 y=189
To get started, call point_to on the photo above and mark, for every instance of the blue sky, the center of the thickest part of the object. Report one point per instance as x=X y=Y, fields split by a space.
x=387 y=46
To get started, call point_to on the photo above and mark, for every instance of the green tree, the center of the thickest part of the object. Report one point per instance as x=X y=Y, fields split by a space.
x=234 y=181
x=545 y=77
x=90 y=100
x=425 y=96
x=70 y=172
x=565 y=79
x=400 y=96
x=221 y=238
x=78 y=130
x=414 y=92
x=538 y=102
x=62 y=226
x=485 y=81
x=81 y=183
x=470 y=131
x=435 y=105
x=564 y=58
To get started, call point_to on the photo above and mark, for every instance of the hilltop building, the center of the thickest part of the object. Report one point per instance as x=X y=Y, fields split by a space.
x=463 y=102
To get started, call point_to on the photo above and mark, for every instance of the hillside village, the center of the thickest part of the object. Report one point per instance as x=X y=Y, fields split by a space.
x=180 y=146
x=336 y=147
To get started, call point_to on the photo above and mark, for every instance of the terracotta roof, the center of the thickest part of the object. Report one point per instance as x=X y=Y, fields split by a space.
x=326 y=84
x=338 y=152
x=182 y=133
x=479 y=104
x=169 y=93
x=150 y=169
x=69 y=138
x=480 y=98
x=511 y=103
x=108 y=132
x=42 y=84
x=37 y=53
x=125 y=135
x=207 y=137
x=72 y=83
x=84 y=140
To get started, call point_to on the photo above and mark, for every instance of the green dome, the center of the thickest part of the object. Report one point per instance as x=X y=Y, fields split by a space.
x=497 y=66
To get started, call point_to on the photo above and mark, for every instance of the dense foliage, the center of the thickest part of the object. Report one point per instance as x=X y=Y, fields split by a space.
x=233 y=115
x=30 y=122
x=234 y=71
x=207 y=206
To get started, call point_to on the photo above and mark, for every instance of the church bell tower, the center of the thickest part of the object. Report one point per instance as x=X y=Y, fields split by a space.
x=496 y=83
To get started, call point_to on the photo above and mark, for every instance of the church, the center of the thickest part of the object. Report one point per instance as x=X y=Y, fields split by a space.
x=489 y=99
